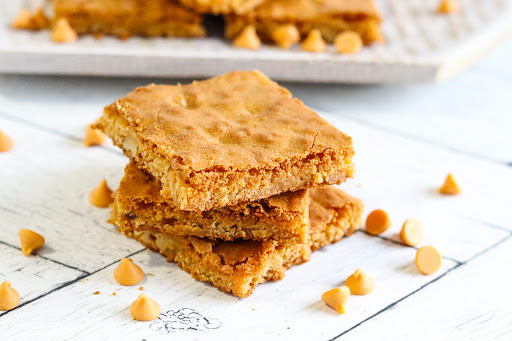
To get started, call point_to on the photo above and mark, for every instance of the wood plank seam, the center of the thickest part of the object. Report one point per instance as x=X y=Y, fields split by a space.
x=424 y=286
x=65 y=284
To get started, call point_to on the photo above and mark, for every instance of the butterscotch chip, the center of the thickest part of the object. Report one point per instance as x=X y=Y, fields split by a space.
x=448 y=7
x=96 y=293
x=23 y=20
x=286 y=35
x=101 y=196
x=9 y=298
x=127 y=273
x=40 y=20
x=6 y=142
x=337 y=298
x=93 y=137
x=360 y=283
x=450 y=186
x=144 y=308
x=428 y=260
x=30 y=241
x=412 y=232
x=348 y=42
x=141 y=288
x=114 y=294
x=62 y=32
x=248 y=39
x=314 y=42
x=377 y=222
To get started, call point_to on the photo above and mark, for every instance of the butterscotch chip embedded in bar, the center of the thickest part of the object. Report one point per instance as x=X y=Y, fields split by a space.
x=248 y=39
x=9 y=298
x=329 y=16
x=124 y=18
x=221 y=6
x=239 y=266
x=138 y=205
x=229 y=139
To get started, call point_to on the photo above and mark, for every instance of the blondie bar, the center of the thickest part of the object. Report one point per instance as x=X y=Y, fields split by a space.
x=239 y=266
x=138 y=205
x=130 y=17
x=329 y=16
x=221 y=6
x=234 y=138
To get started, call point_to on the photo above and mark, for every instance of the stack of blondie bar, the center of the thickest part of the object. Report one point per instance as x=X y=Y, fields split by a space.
x=230 y=177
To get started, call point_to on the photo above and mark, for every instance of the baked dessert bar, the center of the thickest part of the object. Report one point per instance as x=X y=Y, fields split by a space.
x=221 y=6
x=139 y=206
x=234 y=138
x=124 y=18
x=329 y=16
x=239 y=266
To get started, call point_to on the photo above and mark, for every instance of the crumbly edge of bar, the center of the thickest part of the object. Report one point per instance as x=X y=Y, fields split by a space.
x=203 y=190
x=83 y=24
x=368 y=28
x=239 y=280
x=221 y=7
x=345 y=221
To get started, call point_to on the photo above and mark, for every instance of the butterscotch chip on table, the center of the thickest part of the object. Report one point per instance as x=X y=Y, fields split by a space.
x=30 y=241
x=448 y=7
x=248 y=39
x=93 y=137
x=450 y=186
x=329 y=16
x=9 y=298
x=239 y=266
x=128 y=273
x=40 y=20
x=101 y=196
x=428 y=260
x=221 y=6
x=62 y=32
x=6 y=142
x=286 y=35
x=314 y=42
x=130 y=17
x=138 y=205
x=144 y=308
x=23 y=20
x=337 y=298
x=234 y=138
x=348 y=42
x=360 y=283
x=377 y=222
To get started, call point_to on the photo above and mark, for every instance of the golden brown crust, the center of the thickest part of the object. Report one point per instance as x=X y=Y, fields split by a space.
x=140 y=206
x=221 y=6
x=237 y=137
x=130 y=17
x=239 y=266
x=329 y=16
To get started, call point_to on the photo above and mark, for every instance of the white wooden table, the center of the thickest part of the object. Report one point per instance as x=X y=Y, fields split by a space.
x=407 y=138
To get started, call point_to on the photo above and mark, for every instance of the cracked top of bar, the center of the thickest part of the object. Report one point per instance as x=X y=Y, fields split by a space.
x=237 y=137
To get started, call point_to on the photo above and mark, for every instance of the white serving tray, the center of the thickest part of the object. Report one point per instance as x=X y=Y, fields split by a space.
x=421 y=46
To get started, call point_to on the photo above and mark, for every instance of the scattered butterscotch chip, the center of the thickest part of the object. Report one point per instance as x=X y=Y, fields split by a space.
x=141 y=288
x=450 y=186
x=360 y=283
x=150 y=274
x=128 y=273
x=6 y=142
x=96 y=293
x=448 y=7
x=93 y=137
x=39 y=20
x=114 y=294
x=144 y=308
x=101 y=196
x=412 y=232
x=62 y=32
x=314 y=42
x=377 y=222
x=30 y=241
x=23 y=20
x=337 y=298
x=9 y=298
x=286 y=35
x=428 y=260
x=348 y=42
x=248 y=39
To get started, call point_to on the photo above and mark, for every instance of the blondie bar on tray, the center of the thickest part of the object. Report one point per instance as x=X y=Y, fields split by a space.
x=230 y=139
x=239 y=266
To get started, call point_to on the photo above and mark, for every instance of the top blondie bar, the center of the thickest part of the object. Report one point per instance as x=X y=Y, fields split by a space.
x=233 y=138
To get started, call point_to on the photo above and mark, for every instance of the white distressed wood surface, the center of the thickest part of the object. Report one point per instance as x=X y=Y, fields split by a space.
x=46 y=178
x=421 y=45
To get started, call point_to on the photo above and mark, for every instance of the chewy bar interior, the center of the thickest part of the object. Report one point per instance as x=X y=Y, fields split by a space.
x=239 y=266
x=130 y=17
x=226 y=140
x=139 y=206
x=329 y=16
x=221 y=6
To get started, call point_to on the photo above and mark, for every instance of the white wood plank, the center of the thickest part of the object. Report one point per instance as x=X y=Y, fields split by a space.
x=45 y=181
x=32 y=276
x=289 y=309
x=471 y=303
